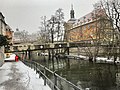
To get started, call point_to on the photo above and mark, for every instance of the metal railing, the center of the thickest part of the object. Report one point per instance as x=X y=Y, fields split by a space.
x=51 y=78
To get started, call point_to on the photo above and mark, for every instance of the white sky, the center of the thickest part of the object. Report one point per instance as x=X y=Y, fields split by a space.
x=25 y=14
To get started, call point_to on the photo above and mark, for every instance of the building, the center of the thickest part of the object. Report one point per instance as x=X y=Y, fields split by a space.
x=90 y=27
x=17 y=37
x=2 y=24
x=9 y=34
x=5 y=30
x=23 y=37
x=2 y=29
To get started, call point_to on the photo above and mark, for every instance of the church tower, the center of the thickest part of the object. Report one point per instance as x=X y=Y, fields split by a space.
x=72 y=12
x=69 y=24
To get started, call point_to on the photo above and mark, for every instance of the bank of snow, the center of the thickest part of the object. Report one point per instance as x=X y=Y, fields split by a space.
x=16 y=75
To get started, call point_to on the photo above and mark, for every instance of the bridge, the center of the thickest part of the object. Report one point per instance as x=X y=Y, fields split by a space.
x=49 y=46
x=52 y=49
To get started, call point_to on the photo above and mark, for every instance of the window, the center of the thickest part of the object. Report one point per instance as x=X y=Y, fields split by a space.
x=92 y=26
x=84 y=28
x=88 y=26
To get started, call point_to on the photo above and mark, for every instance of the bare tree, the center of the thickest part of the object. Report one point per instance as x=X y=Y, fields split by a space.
x=102 y=33
x=43 y=33
x=24 y=36
x=59 y=28
x=112 y=9
x=55 y=24
x=52 y=30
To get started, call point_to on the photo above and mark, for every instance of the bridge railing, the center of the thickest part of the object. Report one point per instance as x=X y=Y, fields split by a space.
x=51 y=78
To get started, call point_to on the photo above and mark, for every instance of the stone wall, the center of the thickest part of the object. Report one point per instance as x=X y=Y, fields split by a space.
x=86 y=51
x=1 y=56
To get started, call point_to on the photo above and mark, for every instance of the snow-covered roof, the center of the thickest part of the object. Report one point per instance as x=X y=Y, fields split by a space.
x=90 y=17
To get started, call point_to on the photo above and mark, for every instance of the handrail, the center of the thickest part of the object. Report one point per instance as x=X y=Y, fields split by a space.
x=42 y=72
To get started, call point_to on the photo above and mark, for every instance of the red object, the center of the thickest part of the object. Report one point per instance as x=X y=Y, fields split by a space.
x=16 y=58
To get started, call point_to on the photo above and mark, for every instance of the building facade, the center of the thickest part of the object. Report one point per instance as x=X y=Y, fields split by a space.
x=90 y=27
x=5 y=30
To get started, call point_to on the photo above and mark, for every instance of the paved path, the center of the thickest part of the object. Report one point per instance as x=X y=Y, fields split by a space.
x=17 y=76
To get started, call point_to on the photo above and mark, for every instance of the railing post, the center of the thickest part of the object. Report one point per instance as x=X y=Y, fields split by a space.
x=31 y=64
x=34 y=65
x=39 y=71
x=36 y=68
x=27 y=63
x=78 y=89
x=44 y=76
x=55 y=81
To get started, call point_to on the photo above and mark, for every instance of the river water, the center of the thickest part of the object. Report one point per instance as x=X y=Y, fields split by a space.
x=84 y=74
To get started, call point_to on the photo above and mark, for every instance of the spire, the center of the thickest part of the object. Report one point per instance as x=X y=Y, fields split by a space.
x=72 y=12
x=71 y=6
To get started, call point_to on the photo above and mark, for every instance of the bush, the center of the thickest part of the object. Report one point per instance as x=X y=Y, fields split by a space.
x=3 y=40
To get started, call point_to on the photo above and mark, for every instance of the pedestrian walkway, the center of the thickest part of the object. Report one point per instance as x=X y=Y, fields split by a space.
x=17 y=76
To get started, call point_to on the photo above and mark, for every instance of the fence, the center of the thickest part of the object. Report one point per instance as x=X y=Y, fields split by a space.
x=51 y=78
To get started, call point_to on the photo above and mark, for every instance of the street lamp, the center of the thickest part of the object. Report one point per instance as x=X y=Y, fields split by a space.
x=92 y=41
x=60 y=45
x=41 y=46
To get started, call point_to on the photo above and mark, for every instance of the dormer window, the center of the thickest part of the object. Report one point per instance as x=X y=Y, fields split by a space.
x=81 y=22
x=88 y=20
x=84 y=19
x=92 y=15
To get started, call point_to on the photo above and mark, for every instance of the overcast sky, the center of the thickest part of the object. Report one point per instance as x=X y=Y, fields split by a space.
x=25 y=14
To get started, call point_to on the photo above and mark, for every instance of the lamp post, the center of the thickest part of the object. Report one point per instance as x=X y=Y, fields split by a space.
x=29 y=52
x=92 y=41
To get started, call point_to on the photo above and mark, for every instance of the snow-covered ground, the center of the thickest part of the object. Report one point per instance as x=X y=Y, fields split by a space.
x=77 y=56
x=11 y=58
x=98 y=59
x=18 y=76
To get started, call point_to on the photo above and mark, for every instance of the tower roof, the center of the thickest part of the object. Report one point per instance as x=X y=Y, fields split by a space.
x=72 y=12
x=71 y=6
x=2 y=15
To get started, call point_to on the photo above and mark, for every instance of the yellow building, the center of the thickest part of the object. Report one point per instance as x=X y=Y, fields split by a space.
x=90 y=27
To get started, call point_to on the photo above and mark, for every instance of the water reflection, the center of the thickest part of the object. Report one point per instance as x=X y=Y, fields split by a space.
x=85 y=74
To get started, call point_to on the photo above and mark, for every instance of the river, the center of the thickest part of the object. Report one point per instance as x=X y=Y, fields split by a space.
x=86 y=75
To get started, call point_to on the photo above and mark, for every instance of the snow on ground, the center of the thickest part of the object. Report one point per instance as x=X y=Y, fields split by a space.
x=101 y=58
x=98 y=59
x=11 y=58
x=77 y=56
x=18 y=76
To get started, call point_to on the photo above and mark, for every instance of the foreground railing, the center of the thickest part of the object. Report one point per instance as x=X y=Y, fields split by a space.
x=54 y=81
